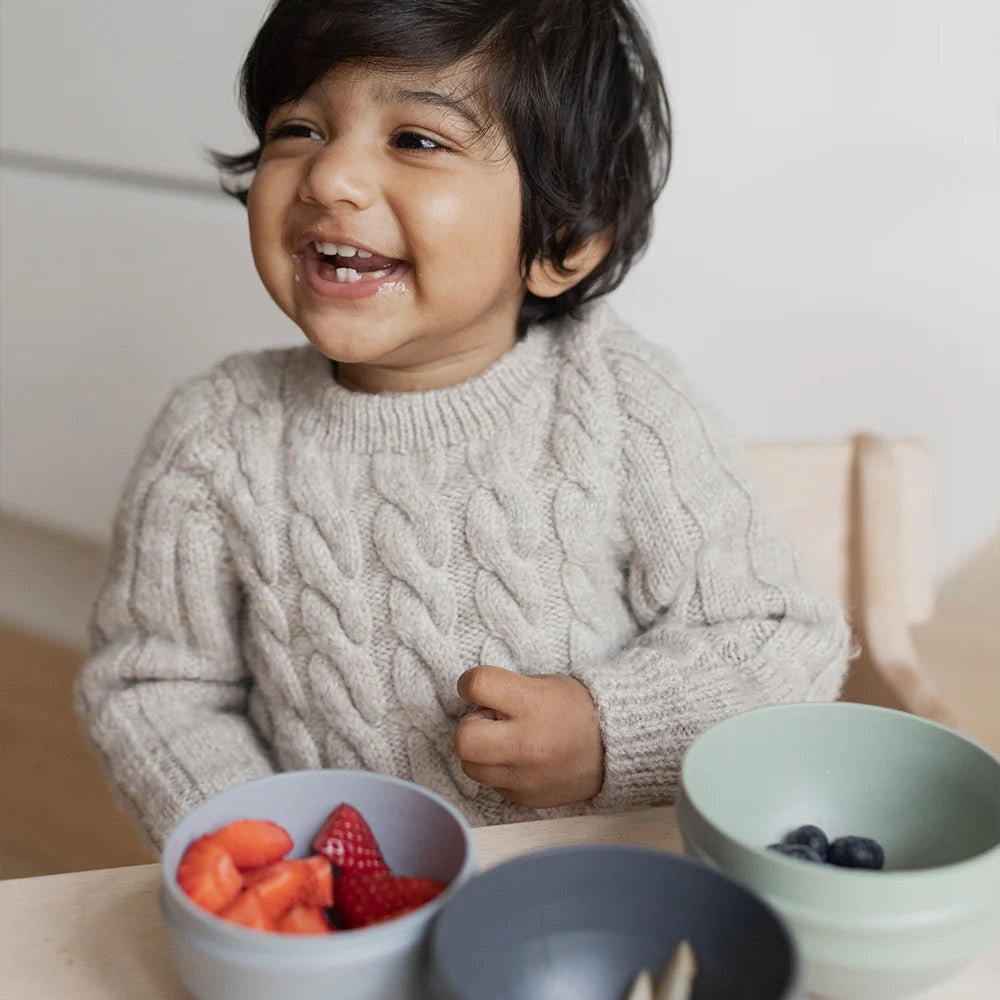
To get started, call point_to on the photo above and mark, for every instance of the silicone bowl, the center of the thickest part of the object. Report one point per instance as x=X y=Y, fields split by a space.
x=581 y=922
x=929 y=795
x=419 y=833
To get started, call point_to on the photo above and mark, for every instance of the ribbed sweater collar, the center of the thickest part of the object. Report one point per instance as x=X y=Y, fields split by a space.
x=415 y=421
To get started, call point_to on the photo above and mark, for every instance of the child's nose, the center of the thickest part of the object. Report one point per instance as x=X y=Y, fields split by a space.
x=339 y=173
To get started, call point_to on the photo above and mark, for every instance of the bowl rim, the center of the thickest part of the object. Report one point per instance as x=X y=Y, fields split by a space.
x=688 y=799
x=847 y=707
x=224 y=934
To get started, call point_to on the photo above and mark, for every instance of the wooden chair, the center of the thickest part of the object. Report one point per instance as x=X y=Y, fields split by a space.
x=860 y=511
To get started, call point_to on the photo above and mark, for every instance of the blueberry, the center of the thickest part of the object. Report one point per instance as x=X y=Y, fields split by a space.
x=801 y=851
x=810 y=836
x=856 y=852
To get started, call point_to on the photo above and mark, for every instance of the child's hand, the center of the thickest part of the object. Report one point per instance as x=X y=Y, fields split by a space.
x=534 y=739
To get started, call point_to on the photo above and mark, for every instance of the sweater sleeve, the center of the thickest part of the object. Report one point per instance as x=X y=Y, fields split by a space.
x=726 y=622
x=163 y=696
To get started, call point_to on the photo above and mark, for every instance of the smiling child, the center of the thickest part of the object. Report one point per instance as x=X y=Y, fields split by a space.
x=477 y=533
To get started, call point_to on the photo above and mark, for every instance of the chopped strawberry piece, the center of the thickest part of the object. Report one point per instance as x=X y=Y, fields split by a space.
x=304 y=919
x=323 y=870
x=254 y=842
x=365 y=898
x=282 y=885
x=208 y=875
x=396 y=914
x=347 y=840
x=248 y=911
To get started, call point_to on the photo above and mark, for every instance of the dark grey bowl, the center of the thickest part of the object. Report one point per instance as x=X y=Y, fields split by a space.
x=578 y=923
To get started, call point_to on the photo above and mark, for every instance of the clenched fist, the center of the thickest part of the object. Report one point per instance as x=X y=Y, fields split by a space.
x=535 y=739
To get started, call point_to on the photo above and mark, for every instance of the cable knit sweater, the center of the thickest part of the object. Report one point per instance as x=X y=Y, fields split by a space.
x=300 y=573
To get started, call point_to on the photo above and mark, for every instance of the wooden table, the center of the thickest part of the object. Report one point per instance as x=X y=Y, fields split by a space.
x=98 y=935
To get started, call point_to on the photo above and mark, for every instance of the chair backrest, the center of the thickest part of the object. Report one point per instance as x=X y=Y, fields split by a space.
x=815 y=488
x=860 y=512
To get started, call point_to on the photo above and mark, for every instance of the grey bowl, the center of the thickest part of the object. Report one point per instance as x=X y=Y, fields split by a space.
x=578 y=923
x=930 y=796
x=419 y=833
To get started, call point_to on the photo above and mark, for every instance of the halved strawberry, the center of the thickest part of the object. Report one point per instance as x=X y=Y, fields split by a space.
x=323 y=870
x=282 y=885
x=365 y=898
x=248 y=911
x=254 y=842
x=304 y=919
x=208 y=875
x=396 y=914
x=347 y=840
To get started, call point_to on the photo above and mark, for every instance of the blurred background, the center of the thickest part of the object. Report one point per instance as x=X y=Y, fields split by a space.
x=826 y=260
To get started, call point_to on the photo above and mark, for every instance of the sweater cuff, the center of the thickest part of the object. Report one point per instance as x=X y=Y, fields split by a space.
x=644 y=744
x=170 y=807
x=653 y=703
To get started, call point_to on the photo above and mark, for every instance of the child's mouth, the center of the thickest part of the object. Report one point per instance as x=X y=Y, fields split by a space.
x=348 y=265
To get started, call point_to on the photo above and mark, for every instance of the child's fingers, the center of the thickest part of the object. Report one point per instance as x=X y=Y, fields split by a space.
x=484 y=713
x=494 y=687
x=498 y=776
x=480 y=739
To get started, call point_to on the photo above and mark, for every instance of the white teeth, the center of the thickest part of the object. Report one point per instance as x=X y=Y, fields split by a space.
x=340 y=250
x=347 y=275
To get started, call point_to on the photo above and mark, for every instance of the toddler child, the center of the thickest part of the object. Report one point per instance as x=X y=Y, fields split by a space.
x=478 y=533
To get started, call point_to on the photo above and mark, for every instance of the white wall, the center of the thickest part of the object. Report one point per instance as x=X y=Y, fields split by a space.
x=826 y=259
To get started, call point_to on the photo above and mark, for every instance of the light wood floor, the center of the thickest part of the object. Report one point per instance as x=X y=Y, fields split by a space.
x=57 y=815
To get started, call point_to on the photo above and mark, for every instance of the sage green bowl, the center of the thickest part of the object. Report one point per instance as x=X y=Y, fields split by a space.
x=929 y=795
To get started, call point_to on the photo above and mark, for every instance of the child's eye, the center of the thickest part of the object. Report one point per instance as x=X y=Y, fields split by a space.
x=414 y=140
x=293 y=130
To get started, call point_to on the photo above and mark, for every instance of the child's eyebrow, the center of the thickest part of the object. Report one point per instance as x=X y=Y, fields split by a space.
x=432 y=98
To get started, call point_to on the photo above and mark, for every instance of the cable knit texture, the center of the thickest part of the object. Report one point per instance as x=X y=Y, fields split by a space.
x=300 y=573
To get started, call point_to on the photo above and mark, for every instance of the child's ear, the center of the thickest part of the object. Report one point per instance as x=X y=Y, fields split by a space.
x=547 y=281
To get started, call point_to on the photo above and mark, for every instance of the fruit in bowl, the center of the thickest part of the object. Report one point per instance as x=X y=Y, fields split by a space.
x=395 y=853
x=242 y=874
x=810 y=843
x=926 y=795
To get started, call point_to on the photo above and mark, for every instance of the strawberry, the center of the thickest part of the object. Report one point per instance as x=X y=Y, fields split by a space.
x=347 y=840
x=303 y=919
x=248 y=911
x=253 y=843
x=208 y=875
x=396 y=914
x=365 y=898
x=323 y=870
x=282 y=885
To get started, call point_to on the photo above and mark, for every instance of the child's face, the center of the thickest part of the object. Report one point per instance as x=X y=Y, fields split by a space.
x=386 y=165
